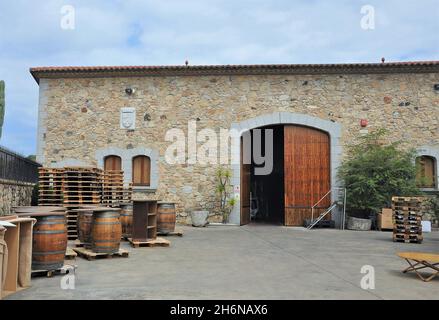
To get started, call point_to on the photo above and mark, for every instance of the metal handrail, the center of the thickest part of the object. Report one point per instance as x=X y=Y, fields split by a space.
x=344 y=205
x=318 y=202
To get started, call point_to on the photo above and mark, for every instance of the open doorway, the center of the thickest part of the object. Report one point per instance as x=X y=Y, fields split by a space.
x=297 y=187
x=267 y=191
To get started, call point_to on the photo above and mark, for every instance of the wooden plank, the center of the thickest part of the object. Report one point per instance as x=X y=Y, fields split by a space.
x=70 y=254
x=12 y=237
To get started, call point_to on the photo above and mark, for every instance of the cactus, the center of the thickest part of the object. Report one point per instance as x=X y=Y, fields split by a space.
x=2 y=105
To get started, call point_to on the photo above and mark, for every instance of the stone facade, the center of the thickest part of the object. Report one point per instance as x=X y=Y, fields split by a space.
x=14 y=194
x=79 y=117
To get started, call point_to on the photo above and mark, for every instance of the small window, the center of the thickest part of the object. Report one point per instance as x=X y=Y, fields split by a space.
x=113 y=163
x=426 y=172
x=141 y=171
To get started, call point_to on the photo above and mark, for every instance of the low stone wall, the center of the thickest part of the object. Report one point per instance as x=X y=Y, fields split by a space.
x=13 y=193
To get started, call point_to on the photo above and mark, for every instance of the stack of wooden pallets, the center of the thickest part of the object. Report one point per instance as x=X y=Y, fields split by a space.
x=407 y=218
x=127 y=196
x=74 y=187
x=113 y=190
x=81 y=186
x=50 y=192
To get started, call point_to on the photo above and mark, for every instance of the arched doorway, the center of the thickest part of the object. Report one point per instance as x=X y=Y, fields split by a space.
x=300 y=177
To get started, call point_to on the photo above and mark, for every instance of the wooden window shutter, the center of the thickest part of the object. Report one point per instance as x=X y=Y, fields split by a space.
x=113 y=163
x=426 y=172
x=141 y=171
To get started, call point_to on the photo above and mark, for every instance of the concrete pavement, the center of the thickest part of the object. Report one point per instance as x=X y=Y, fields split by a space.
x=250 y=262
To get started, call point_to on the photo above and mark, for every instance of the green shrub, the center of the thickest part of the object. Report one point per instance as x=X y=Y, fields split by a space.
x=375 y=171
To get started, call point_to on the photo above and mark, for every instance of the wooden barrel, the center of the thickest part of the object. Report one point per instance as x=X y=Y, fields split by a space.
x=166 y=218
x=49 y=241
x=106 y=230
x=83 y=226
x=84 y=223
x=126 y=219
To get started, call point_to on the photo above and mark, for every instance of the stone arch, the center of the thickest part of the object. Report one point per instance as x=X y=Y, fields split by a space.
x=332 y=128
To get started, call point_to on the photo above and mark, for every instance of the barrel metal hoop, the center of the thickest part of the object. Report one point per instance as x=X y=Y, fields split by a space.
x=38 y=253
x=49 y=232
x=106 y=223
x=50 y=223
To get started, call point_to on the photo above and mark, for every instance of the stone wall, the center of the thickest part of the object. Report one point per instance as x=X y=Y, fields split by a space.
x=80 y=116
x=13 y=194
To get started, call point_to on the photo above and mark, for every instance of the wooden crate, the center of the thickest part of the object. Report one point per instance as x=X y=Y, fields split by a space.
x=385 y=219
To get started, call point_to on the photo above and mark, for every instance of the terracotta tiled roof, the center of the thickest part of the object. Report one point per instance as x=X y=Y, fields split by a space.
x=183 y=70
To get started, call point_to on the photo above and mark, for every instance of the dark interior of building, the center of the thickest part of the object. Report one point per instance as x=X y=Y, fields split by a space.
x=267 y=191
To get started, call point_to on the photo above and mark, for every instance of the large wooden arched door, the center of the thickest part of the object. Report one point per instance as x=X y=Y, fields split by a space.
x=306 y=172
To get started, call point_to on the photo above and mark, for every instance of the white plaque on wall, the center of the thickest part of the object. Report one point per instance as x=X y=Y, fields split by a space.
x=128 y=118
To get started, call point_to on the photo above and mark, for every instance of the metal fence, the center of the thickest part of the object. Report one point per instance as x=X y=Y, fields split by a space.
x=16 y=167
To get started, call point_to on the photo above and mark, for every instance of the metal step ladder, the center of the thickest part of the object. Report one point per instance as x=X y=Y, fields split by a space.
x=322 y=215
x=341 y=196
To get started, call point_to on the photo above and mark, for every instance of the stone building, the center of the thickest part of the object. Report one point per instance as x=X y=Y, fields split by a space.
x=119 y=116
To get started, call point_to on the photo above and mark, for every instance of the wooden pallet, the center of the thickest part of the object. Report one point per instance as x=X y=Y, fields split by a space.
x=158 y=242
x=70 y=254
x=418 y=241
x=407 y=238
x=90 y=255
x=408 y=199
x=408 y=222
x=66 y=269
x=178 y=233
x=405 y=231
x=78 y=244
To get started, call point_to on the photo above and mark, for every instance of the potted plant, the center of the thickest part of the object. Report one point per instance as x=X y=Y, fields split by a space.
x=199 y=217
x=225 y=194
x=373 y=172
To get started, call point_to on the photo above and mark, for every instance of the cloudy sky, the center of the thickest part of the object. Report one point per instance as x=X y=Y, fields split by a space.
x=160 y=32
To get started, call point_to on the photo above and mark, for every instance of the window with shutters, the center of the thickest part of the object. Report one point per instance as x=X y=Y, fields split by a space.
x=426 y=172
x=141 y=171
x=112 y=163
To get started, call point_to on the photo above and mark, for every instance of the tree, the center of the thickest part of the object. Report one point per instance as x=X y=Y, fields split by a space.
x=2 y=105
x=374 y=171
